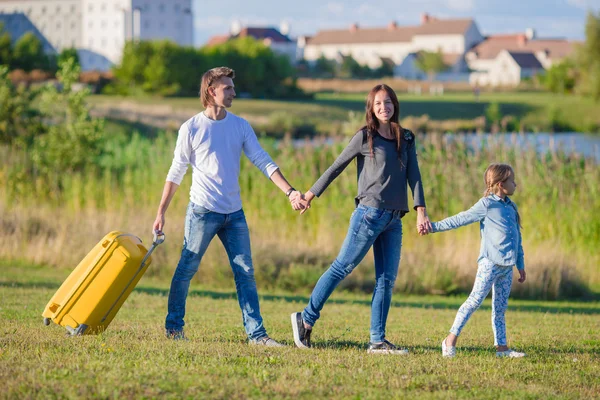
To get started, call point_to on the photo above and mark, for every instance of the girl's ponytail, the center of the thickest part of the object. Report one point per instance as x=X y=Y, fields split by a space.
x=494 y=174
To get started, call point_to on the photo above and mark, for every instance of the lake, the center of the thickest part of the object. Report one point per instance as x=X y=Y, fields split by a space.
x=584 y=144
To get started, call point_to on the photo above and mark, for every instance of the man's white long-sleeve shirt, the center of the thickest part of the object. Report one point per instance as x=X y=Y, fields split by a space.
x=214 y=149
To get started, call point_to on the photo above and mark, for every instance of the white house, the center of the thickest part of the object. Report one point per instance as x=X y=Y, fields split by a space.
x=508 y=69
x=98 y=29
x=453 y=37
x=485 y=59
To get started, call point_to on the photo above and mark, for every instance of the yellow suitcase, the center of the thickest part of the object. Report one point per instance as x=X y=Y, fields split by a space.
x=94 y=292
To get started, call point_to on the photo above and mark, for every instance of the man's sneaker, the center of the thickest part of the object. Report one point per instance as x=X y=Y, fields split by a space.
x=510 y=354
x=301 y=334
x=176 y=335
x=266 y=341
x=448 y=351
x=386 y=347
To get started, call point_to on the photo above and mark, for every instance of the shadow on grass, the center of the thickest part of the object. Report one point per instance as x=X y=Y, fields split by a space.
x=128 y=127
x=450 y=304
x=438 y=110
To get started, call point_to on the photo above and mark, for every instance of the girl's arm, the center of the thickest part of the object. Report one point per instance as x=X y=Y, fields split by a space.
x=352 y=150
x=474 y=214
x=520 y=254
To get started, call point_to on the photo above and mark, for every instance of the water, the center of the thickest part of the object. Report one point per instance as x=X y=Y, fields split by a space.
x=582 y=144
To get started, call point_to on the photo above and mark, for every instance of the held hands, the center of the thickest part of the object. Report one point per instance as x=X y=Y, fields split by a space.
x=299 y=201
x=423 y=224
x=522 y=275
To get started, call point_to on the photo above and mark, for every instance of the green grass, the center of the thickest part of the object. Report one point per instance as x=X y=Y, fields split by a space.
x=328 y=111
x=132 y=359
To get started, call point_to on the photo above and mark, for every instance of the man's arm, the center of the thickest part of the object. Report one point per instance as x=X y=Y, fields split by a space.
x=167 y=195
x=279 y=180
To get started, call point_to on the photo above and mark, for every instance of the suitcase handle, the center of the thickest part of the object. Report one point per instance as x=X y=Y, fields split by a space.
x=158 y=238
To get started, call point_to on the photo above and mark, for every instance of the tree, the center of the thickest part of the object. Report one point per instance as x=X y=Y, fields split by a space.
x=74 y=138
x=588 y=58
x=350 y=68
x=68 y=53
x=28 y=53
x=386 y=69
x=493 y=114
x=5 y=47
x=165 y=68
x=324 y=67
x=560 y=78
x=430 y=63
x=20 y=121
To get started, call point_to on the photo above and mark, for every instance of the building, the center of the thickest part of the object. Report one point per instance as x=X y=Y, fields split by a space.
x=99 y=29
x=277 y=39
x=368 y=46
x=498 y=53
x=457 y=69
x=508 y=69
x=17 y=24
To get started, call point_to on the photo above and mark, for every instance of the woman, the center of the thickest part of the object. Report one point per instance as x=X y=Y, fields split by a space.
x=386 y=161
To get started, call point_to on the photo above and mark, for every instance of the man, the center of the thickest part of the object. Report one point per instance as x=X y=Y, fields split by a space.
x=212 y=143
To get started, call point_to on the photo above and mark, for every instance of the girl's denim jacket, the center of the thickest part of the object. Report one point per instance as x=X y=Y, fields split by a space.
x=500 y=231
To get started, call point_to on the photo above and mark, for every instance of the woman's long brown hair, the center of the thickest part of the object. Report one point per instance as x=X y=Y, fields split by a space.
x=373 y=123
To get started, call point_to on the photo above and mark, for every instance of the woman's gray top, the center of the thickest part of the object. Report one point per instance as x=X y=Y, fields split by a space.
x=383 y=178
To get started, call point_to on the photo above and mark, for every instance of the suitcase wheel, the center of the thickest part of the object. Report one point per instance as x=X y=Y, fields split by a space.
x=46 y=321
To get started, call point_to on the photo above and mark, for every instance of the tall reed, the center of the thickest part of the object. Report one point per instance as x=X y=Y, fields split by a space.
x=558 y=198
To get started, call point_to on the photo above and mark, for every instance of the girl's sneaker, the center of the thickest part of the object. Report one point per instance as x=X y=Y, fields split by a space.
x=510 y=354
x=448 y=351
x=386 y=347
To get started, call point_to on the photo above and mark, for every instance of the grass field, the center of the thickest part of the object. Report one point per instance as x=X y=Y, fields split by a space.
x=328 y=112
x=132 y=359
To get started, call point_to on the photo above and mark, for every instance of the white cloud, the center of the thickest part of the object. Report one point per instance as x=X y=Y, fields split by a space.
x=366 y=9
x=584 y=4
x=461 y=5
x=335 y=8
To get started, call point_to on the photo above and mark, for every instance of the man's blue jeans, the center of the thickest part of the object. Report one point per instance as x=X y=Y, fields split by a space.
x=201 y=225
x=369 y=226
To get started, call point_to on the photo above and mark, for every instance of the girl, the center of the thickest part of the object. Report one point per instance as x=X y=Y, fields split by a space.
x=386 y=161
x=501 y=248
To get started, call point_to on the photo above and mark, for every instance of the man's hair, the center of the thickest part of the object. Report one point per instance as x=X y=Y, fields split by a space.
x=209 y=78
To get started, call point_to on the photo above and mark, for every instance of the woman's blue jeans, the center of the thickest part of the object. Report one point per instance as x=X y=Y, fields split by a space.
x=369 y=226
x=201 y=226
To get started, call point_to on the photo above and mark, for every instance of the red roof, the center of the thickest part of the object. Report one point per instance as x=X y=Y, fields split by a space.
x=219 y=39
x=492 y=45
x=391 y=33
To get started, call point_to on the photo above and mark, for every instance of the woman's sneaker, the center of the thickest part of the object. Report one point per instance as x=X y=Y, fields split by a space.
x=301 y=334
x=448 y=351
x=510 y=354
x=386 y=347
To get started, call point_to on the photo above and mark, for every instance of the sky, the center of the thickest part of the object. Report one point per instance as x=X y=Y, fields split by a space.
x=549 y=18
